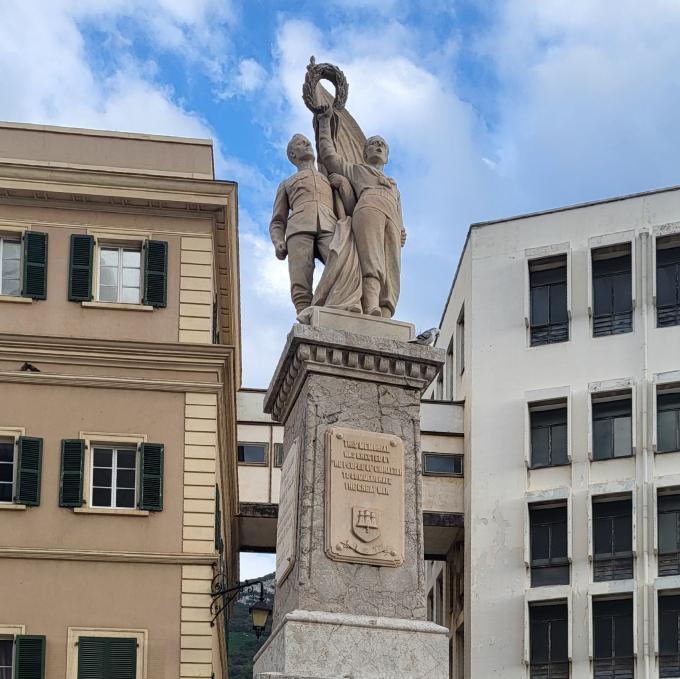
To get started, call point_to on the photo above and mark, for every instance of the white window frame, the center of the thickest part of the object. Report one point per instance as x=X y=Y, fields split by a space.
x=600 y=390
x=121 y=248
x=74 y=634
x=115 y=449
x=13 y=433
x=555 y=496
x=613 y=593
x=555 y=595
x=12 y=631
x=535 y=398
x=662 y=381
x=659 y=233
x=108 y=440
x=14 y=238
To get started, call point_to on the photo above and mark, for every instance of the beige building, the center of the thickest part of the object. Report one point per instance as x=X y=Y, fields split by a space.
x=119 y=364
x=563 y=338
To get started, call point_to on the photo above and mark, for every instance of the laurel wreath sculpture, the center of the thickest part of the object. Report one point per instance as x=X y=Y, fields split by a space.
x=316 y=73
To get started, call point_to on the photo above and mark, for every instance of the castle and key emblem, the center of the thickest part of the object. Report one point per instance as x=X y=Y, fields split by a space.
x=366 y=523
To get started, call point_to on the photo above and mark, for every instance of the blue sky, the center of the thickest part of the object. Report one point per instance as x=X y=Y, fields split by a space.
x=491 y=108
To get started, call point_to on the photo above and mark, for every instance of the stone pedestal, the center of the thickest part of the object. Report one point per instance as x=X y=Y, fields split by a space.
x=350 y=597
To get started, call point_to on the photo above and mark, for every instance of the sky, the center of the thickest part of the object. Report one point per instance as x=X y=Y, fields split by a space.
x=491 y=108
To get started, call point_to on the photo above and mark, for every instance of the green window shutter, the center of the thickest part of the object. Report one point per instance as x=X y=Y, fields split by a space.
x=29 y=471
x=80 y=268
x=35 y=265
x=156 y=273
x=219 y=543
x=71 y=485
x=29 y=656
x=151 y=486
x=107 y=658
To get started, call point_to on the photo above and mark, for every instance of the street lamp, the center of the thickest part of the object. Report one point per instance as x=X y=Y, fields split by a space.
x=259 y=613
x=222 y=596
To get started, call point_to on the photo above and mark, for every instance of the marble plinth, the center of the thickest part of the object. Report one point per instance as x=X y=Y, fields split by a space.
x=322 y=645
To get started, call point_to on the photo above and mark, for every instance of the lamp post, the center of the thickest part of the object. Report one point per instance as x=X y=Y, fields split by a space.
x=222 y=596
x=259 y=613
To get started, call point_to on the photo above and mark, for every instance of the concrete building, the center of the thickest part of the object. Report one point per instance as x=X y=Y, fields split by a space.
x=563 y=337
x=119 y=364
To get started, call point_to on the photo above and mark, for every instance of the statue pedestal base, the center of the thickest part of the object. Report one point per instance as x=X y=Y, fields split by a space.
x=350 y=583
x=318 y=645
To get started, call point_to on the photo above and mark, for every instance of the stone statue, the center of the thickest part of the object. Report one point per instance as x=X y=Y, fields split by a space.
x=346 y=213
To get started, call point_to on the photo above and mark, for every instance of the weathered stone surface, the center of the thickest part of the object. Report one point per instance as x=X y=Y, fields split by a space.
x=315 y=644
x=359 y=324
x=286 y=533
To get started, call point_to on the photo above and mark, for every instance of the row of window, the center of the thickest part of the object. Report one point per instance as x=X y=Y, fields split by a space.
x=613 y=640
x=612 y=427
x=612 y=539
x=118 y=476
x=124 y=274
x=612 y=292
x=258 y=454
x=97 y=657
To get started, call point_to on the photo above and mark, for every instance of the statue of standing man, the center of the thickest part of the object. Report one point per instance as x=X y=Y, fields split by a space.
x=377 y=222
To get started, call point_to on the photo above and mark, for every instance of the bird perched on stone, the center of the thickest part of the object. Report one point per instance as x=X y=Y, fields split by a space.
x=428 y=337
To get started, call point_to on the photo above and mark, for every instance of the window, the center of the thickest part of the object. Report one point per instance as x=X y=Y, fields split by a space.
x=7 y=467
x=548 y=543
x=252 y=453
x=278 y=454
x=548 y=435
x=669 y=639
x=114 y=477
x=442 y=464
x=460 y=334
x=450 y=375
x=613 y=639
x=612 y=291
x=668 y=421
x=100 y=654
x=548 y=300
x=430 y=605
x=667 y=282
x=119 y=274
x=612 y=426
x=6 y=657
x=612 y=539
x=439 y=600
x=21 y=656
x=439 y=386
x=10 y=266
x=668 y=508
x=549 y=641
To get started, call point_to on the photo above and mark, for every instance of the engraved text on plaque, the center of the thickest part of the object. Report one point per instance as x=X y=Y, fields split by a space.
x=364 y=497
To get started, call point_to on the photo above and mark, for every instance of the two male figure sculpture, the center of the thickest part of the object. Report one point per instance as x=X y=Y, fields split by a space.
x=348 y=215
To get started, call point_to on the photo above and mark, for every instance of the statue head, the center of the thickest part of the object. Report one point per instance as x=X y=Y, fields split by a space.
x=299 y=149
x=376 y=151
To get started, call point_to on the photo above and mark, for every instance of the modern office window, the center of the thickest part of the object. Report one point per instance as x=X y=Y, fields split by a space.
x=548 y=434
x=252 y=453
x=612 y=426
x=667 y=421
x=549 y=641
x=669 y=635
x=10 y=266
x=440 y=464
x=460 y=334
x=119 y=274
x=278 y=454
x=667 y=282
x=450 y=375
x=613 y=639
x=7 y=469
x=612 y=291
x=668 y=520
x=548 y=545
x=114 y=477
x=612 y=539
x=548 y=296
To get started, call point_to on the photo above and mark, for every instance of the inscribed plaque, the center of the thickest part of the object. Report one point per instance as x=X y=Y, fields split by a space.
x=364 y=497
x=286 y=531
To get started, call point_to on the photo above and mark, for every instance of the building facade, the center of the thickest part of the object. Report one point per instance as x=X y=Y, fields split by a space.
x=563 y=336
x=119 y=364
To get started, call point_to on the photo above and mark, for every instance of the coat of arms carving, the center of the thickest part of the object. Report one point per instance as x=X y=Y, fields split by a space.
x=366 y=523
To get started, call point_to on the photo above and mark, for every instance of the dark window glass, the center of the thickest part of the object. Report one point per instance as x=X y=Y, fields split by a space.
x=549 y=437
x=612 y=540
x=278 y=454
x=668 y=422
x=549 y=563
x=443 y=465
x=612 y=295
x=6 y=650
x=668 y=286
x=612 y=428
x=252 y=453
x=669 y=639
x=549 y=641
x=613 y=639
x=548 y=295
x=6 y=471
x=668 y=507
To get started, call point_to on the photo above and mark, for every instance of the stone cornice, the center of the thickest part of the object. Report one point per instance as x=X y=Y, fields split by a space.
x=179 y=558
x=346 y=355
